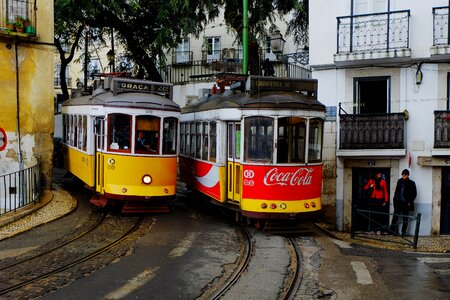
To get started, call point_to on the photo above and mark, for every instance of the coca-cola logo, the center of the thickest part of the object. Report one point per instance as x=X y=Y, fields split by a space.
x=301 y=176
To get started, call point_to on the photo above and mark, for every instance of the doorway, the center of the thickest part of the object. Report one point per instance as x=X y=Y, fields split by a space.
x=445 y=201
x=360 y=177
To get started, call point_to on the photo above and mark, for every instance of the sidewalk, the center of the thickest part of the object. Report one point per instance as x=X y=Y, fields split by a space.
x=433 y=244
x=53 y=204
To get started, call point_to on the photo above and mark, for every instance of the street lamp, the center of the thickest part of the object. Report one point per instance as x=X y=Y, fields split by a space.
x=111 y=57
x=277 y=44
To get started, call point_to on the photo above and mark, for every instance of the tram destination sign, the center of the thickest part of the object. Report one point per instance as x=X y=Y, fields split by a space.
x=140 y=86
x=257 y=84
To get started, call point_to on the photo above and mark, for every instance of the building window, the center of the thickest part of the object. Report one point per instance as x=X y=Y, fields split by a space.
x=372 y=95
x=212 y=45
x=182 y=52
x=361 y=7
x=16 y=8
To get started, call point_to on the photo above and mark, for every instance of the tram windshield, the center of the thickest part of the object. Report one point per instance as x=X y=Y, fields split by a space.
x=258 y=144
x=119 y=132
x=147 y=134
x=291 y=140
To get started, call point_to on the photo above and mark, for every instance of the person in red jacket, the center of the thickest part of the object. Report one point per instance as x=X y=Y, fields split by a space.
x=378 y=198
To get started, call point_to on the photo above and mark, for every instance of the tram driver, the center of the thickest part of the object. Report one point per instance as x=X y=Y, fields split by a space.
x=142 y=143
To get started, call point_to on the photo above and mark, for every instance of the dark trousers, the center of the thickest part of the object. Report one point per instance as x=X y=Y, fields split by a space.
x=378 y=218
x=402 y=210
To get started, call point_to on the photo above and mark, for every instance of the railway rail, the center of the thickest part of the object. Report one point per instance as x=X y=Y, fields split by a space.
x=66 y=255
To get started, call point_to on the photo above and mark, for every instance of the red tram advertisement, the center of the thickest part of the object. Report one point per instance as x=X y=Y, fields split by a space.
x=257 y=149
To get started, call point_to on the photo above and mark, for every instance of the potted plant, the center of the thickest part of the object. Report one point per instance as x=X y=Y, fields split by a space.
x=19 y=26
x=26 y=22
x=9 y=26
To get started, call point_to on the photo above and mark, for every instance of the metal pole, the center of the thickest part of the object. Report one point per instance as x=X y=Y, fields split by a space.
x=86 y=41
x=245 y=37
x=114 y=53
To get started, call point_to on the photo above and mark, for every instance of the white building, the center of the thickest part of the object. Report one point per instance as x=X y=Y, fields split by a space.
x=383 y=66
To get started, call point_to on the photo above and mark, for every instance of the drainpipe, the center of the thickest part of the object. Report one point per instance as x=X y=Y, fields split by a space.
x=245 y=37
x=19 y=139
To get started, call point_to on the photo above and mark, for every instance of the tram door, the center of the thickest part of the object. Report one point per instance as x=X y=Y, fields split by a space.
x=99 y=157
x=234 y=167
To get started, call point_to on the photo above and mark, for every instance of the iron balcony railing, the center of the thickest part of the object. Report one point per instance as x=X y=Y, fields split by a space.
x=20 y=188
x=372 y=131
x=182 y=57
x=201 y=71
x=442 y=129
x=440 y=26
x=369 y=32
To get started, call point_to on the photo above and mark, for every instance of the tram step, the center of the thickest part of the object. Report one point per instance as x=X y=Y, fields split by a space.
x=286 y=228
x=99 y=201
x=144 y=207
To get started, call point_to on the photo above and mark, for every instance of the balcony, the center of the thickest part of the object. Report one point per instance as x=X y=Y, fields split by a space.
x=441 y=38
x=201 y=71
x=372 y=132
x=373 y=38
x=18 y=19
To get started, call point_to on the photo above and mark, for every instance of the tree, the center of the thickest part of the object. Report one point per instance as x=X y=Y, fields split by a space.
x=264 y=12
x=68 y=31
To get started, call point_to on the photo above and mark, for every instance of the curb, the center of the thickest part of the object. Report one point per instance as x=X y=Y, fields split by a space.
x=53 y=205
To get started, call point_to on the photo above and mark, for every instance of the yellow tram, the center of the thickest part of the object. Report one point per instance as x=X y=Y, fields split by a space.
x=121 y=141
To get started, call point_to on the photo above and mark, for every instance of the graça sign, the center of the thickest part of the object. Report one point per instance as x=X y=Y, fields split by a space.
x=140 y=86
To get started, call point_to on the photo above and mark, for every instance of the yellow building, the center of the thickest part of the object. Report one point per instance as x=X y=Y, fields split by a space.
x=26 y=85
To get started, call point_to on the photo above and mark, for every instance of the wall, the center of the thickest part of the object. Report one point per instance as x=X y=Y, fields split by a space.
x=35 y=90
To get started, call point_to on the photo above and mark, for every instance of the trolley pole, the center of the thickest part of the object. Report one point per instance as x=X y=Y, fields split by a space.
x=245 y=37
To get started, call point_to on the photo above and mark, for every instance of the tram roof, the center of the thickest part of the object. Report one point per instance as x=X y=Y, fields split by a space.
x=129 y=100
x=275 y=100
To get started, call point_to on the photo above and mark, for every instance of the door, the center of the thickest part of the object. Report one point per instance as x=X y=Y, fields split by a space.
x=99 y=129
x=372 y=95
x=234 y=167
x=360 y=177
x=445 y=201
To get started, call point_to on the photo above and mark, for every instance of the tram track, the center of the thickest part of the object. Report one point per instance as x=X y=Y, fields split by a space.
x=242 y=266
x=65 y=256
x=294 y=280
x=47 y=251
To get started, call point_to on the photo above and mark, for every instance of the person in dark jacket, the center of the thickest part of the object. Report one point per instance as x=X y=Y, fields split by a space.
x=404 y=196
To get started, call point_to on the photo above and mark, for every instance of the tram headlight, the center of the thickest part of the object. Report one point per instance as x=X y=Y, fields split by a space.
x=146 y=179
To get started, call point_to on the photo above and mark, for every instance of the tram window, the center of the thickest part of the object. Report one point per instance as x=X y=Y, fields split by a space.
x=75 y=131
x=80 y=132
x=198 y=145
x=188 y=139
x=170 y=136
x=291 y=140
x=65 y=128
x=258 y=139
x=182 y=137
x=212 y=141
x=84 y=126
x=119 y=132
x=205 y=146
x=193 y=140
x=315 y=140
x=147 y=134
